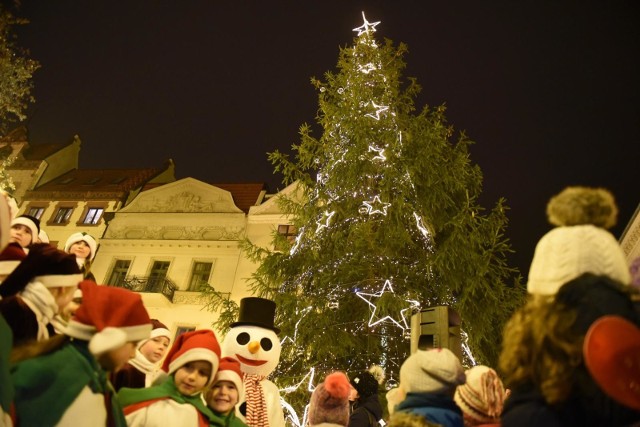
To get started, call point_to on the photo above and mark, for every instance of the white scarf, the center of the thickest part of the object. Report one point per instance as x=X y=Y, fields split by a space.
x=145 y=366
x=40 y=300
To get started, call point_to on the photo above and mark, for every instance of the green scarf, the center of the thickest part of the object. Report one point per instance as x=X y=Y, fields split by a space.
x=45 y=386
x=129 y=396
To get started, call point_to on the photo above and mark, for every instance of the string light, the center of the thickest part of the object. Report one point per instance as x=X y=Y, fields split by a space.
x=402 y=321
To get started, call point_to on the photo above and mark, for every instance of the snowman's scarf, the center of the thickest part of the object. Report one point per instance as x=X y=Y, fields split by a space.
x=256 y=403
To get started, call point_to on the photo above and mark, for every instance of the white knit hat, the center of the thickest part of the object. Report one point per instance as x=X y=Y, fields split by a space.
x=565 y=253
x=436 y=370
x=580 y=244
x=82 y=237
x=33 y=224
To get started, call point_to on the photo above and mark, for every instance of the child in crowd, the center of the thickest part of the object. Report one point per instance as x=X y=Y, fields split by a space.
x=224 y=394
x=481 y=397
x=63 y=381
x=430 y=378
x=143 y=369
x=191 y=364
x=25 y=230
x=84 y=247
x=10 y=257
x=329 y=405
x=36 y=291
x=366 y=408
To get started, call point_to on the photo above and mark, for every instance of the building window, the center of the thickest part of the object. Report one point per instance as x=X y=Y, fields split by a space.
x=181 y=330
x=119 y=272
x=36 y=212
x=93 y=216
x=200 y=275
x=289 y=232
x=62 y=216
x=157 y=275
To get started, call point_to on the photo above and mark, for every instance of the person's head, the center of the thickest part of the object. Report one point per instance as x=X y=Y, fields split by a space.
x=223 y=396
x=580 y=243
x=436 y=371
x=481 y=397
x=24 y=230
x=10 y=257
x=45 y=265
x=73 y=305
x=330 y=401
x=112 y=320
x=196 y=354
x=82 y=245
x=365 y=385
x=154 y=348
x=557 y=367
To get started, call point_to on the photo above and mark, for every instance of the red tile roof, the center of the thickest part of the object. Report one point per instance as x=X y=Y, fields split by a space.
x=244 y=195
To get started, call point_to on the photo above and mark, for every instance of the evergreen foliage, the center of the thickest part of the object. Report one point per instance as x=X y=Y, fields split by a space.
x=386 y=208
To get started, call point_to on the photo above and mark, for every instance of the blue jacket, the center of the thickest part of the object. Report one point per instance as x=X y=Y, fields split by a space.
x=437 y=408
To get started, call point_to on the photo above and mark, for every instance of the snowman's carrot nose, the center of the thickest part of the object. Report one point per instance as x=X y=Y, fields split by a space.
x=254 y=346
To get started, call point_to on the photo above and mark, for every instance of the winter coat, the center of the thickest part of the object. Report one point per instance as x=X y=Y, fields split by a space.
x=164 y=405
x=66 y=387
x=29 y=314
x=363 y=408
x=137 y=373
x=526 y=407
x=437 y=408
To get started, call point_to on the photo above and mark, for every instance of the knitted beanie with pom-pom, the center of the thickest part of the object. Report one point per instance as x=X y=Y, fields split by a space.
x=330 y=401
x=580 y=243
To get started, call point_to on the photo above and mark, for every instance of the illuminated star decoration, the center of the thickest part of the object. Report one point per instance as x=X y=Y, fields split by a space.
x=402 y=321
x=295 y=246
x=366 y=27
x=379 y=109
x=366 y=69
x=324 y=222
x=380 y=152
x=376 y=206
x=293 y=416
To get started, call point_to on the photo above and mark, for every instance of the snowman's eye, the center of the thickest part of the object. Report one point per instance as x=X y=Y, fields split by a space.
x=266 y=344
x=243 y=338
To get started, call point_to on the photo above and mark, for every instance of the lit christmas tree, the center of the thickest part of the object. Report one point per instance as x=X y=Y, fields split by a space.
x=388 y=223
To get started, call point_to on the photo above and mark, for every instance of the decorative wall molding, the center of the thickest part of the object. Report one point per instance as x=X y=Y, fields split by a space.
x=185 y=297
x=135 y=232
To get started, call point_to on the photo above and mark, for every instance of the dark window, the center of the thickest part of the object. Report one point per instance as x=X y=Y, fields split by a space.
x=182 y=329
x=93 y=216
x=36 y=212
x=157 y=275
x=119 y=272
x=200 y=275
x=289 y=232
x=63 y=215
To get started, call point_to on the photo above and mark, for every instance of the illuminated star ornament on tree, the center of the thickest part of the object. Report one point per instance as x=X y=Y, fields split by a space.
x=385 y=205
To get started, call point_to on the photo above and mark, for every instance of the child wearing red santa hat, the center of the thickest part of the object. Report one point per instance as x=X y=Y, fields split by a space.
x=144 y=368
x=63 y=381
x=191 y=366
x=224 y=394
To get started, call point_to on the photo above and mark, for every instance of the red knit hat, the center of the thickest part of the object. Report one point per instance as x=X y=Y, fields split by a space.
x=229 y=370
x=330 y=401
x=612 y=355
x=108 y=318
x=10 y=257
x=192 y=346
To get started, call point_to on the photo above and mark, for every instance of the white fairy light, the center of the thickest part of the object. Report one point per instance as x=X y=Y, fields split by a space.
x=295 y=246
x=420 y=225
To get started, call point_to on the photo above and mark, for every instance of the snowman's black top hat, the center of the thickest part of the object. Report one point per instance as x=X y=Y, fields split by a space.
x=256 y=311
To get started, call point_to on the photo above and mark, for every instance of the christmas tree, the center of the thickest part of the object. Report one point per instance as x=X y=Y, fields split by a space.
x=387 y=222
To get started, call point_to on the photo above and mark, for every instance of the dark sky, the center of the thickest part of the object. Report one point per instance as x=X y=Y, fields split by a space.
x=548 y=90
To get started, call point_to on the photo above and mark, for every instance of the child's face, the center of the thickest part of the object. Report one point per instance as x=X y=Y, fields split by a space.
x=21 y=234
x=192 y=377
x=115 y=359
x=155 y=348
x=80 y=249
x=223 y=397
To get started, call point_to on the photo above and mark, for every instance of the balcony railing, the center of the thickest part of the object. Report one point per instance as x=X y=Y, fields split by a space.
x=160 y=285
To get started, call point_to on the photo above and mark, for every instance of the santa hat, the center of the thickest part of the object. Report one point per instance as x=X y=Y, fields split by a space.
x=45 y=264
x=193 y=346
x=11 y=257
x=330 y=401
x=30 y=222
x=580 y=243
x=82 y=237
x=612 y=355
x=158 y=329
x=229 y=370
x=108 y=318
x=431 y=371
x=482 y=396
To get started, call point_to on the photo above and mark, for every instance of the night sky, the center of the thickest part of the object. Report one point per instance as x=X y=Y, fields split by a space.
x=548 y=90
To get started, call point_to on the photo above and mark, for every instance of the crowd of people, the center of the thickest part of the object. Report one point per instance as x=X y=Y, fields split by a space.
x=75 y=353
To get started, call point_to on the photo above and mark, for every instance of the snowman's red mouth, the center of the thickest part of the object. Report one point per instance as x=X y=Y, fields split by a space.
x=250 y=362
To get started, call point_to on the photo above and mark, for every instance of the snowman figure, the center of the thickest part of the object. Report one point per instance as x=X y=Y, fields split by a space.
x=253 y=341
